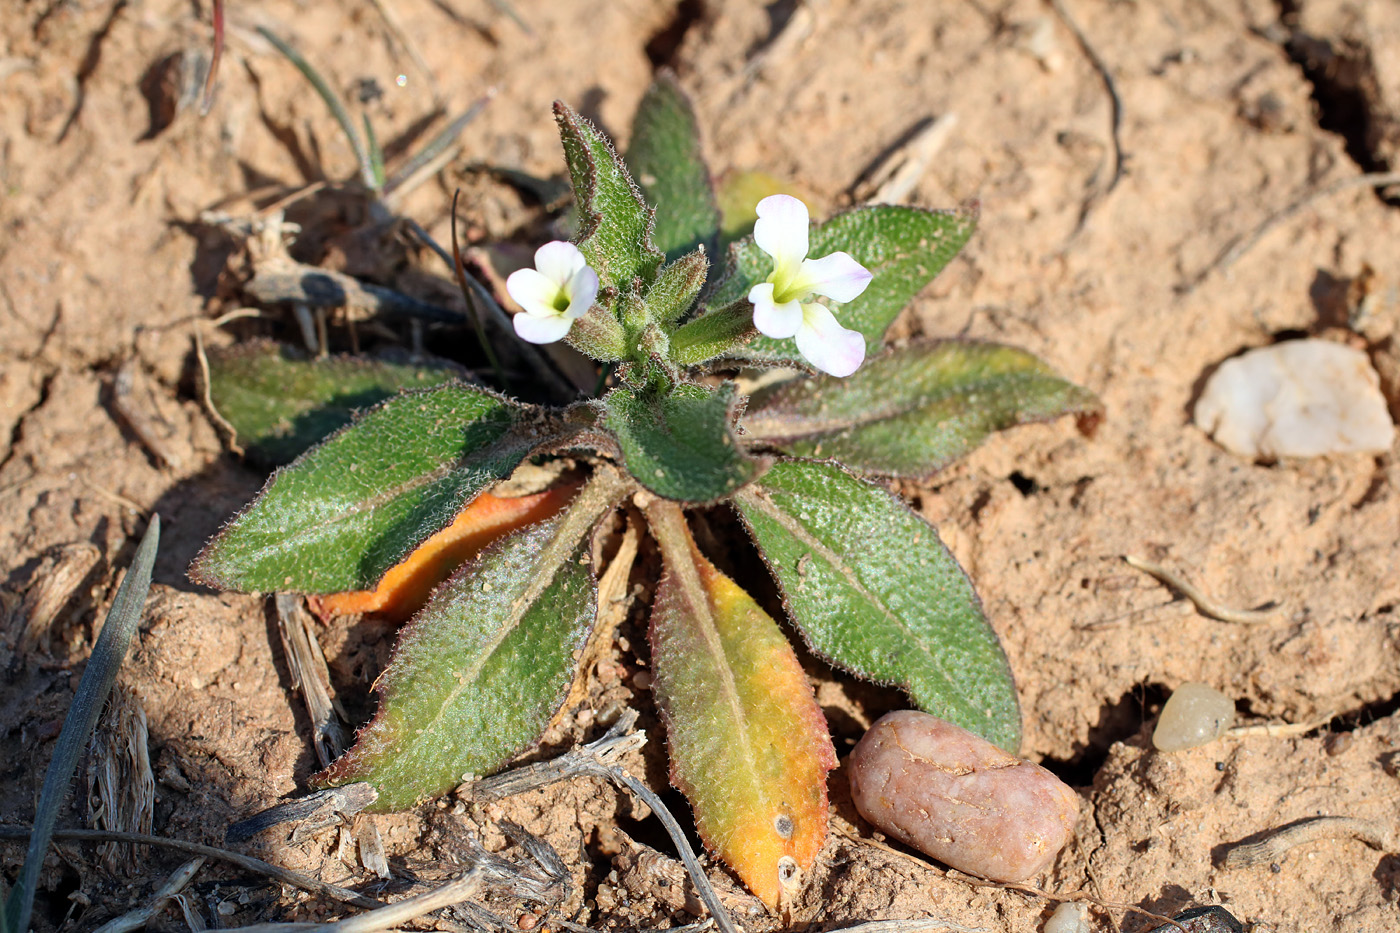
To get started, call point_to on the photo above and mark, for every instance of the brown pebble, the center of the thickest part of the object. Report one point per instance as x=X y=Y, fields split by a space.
x=960 y=799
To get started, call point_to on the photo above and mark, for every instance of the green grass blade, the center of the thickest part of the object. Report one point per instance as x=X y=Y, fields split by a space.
x=333 y=104
x=376 y=153
x=101 y=673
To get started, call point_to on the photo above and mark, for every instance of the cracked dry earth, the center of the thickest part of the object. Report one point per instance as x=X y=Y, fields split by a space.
x=1231 y=110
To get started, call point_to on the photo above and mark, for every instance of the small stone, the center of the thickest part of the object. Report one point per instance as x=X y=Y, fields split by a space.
x=1069 y=917
x=1299 y=398
x=1193 y=715
x=960 y=799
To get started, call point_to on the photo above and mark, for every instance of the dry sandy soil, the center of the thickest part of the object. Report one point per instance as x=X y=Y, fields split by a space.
x=1231 y=110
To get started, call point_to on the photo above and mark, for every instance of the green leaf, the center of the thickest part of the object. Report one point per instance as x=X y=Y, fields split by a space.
x=913 y=410
x=614 y=222
x=904 y=248
x=749 y=744
x=281 y=403
x=666 y=159
x=477 y=674
x=106 y=659
x=713 y=334
x=876 y=593
x=676 y=288
x=345 y=512
x=681 y=445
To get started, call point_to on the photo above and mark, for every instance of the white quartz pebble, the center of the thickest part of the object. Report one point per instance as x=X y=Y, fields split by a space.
x=1299 y=398
x=1069 y=917
x=1193 y=715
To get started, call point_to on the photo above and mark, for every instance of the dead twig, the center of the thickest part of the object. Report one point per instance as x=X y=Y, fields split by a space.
x=894 y=178
x=246 y=862
x=1281 y=729
x=393 y=915
x=325 y=288
x=1239 y=247
x=918 y=925
x=321 y=808
x=136 y=418
x=600 y=759
x=1206 y=605
x=1115 y=117
x=214 y=414
x=138 y=918
x=1271 y=848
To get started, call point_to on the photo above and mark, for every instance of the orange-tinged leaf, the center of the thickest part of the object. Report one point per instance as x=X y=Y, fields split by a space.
x=749 y=744
x=407 y=585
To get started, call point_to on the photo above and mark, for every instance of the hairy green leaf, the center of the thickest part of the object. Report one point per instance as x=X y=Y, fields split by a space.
x=350 y=509
x=681 y=445
x=281 y=403
x=903 y=247
x=614 y=222
x=914 y=410
x=876 y=593
x=674 y=292
x=666 y=159
x=749 y=744
x=713 y=334
x=478 y=673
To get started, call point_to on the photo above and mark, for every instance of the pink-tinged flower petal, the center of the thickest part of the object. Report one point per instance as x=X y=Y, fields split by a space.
x=781 y=232
x=582 y=289
x=558 y=260
x=838 y=277
x=534 y=292
x=826 y=344
x=779 y=321
x=534 y=329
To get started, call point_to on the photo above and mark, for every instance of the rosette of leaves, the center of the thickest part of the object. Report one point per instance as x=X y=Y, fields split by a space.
x=485 y=663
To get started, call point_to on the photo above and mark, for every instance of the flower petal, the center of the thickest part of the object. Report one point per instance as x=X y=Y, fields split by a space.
x=779 y=321
x=582 y=289
x=781 y=232
x=534 y=329
x=534 y=292
x=826 y=344
x=558 y=260
x=838 y=277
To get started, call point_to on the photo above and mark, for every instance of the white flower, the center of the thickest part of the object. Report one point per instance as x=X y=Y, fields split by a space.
x=783 y=306
x=557 y=292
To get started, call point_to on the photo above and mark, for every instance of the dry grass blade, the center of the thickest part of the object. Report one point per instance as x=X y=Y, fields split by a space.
x=107 y=656
x=1206 y=605
x=333 y=104
x=310 y=676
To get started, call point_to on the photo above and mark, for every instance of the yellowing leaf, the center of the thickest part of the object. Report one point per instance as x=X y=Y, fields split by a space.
x=749 y=744
x=407 y=585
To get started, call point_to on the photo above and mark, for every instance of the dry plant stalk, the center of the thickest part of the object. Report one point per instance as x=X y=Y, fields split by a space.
x=122 y=788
